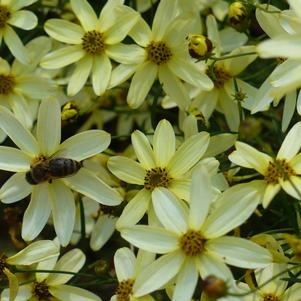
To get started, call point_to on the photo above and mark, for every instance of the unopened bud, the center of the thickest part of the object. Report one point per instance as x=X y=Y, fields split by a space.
x=199 y=46
x=238 y=16
x=214 y=287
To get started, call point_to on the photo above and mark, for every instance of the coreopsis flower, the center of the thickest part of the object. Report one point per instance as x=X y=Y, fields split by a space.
x=159 y=166
x=280 y=172
x=92 y=43
x=162 y=56
x=51 y=286
x=193 y=240
x=50 y=192
x=128 y=267
x=12 y=14
x=33 y=253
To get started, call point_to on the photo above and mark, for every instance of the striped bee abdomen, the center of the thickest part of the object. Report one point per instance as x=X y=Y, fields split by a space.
x=62 y=167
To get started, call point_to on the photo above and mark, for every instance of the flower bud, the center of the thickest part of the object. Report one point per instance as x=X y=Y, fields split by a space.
x=214 y=287
x=199 y=46
x=238 y=16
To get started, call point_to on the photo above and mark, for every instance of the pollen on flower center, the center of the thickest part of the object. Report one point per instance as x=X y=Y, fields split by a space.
x=279 y=169
x=219 y=76
x=192 y=243
x=156 y=177
x=93 y=42
x=4 y=15
x=41 y=291
x=158 y=53
x=7 y=83
x=124 y=289
x=269 y=297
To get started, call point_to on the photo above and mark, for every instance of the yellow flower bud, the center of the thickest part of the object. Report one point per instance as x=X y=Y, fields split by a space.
x=199 y=46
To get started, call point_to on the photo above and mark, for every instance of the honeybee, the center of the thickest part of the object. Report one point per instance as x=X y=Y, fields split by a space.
x=46 y=170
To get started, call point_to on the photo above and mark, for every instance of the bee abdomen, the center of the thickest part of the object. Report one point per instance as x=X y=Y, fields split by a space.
x=61 y=167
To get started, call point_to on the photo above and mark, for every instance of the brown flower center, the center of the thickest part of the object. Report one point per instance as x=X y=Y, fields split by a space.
x=156 y=177
x=4 y=15
x=279 y=169
x=124 y=289
x=93 y=42
x=7 y=84
x=158 y=53
x=219 y=76
x=192 y=243
x=269 y=297
x=41 y=291
x=3 y=264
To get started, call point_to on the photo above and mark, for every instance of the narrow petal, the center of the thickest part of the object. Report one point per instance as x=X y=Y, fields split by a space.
x=84 y=145
x=158 y=273
x=17 y=133
x=72 y=261
x=291 y=144
x=120 y=74
x=200 y=197
x=63 y=57
x=49 y=126
x=169 y=211
x=188 y=154
x=13 y=284
x=101 y=74
x=85 y=13
x=151 y=239
x=181 y=188
x=124 y=263
x=127 y=170
x=219 y=144
x=15 y=189
x=90 y=185
x=80 y=75
x=24 y=293
x=37 y=213
x=64 y=31
x=23 y=19
x=134 y=210
x=139 y=89
x=292 y=187
x=143 y=150
x=239 y=252
x=164 y=143
x=12 y=159
x=249 y=157
x=18 y=4
x=288 y=110
x=270 y=191
x=186 y=281
x=126 y=54
x=72 y=293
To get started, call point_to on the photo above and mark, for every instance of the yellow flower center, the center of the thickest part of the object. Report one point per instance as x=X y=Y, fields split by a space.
x=124 y=289
x=3 y=264
x=269 y=297
x=41 y=291
x=93 y=42
x=219 y=76
x=279 y=169
x=156 y=177
x=158 y=53
x=7 y=84
x=4 y=15
x=192 y=243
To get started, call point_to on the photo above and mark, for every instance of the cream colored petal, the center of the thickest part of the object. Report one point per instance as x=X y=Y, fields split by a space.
x=169 y=211
x=13 y=284
x=249 y=157
x=134 y=210
x=64 y=31
x=127 y=170
x=90 y=185
x=85 y=13
x=143 y=150
x=23 y=19
x=239 y=252
x=80 y=75
x=139 y=89
x=295 y=6
x=49 y=126
x=188 y=154
x=181 y=188
x=72 y=293
x=24 y=293
x=84 y=145
x=15 y=189
x=120 y=74
x=63 y=57
x=164 y=143
x=37 y=213
x=101 y=74
x=124 y=263
x=35 y=252
x=220 y=143
x=292 y=293
x=15 y=45
x=151 y=239
x=17 y=132
x=72 y=261
x=126 y=54
x=295 y=163
x=291 y=144
x=141 y=33
x=292 y=186
x=17 y=4
x=270 y=191
x=4 y=66
x=13 y=159
x=288 y=110
x=158 y=273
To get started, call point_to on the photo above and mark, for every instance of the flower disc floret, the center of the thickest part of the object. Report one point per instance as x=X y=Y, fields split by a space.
x=3 y=264
x=93 y=42
x=7 y=83
x=269 y=297
x=158 y=53
x=4 y=15
x=124 y=289
x=192 y=243
x=41 y=291
x=156 y=177
x=219 y=76
x=279 y=169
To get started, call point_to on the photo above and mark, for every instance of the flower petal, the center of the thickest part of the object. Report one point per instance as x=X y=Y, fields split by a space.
x=101 y=74
x=12 y=159
x=124 y=263
x=269 y=193
x=23 y=19
x=125 y=54
x=292 y=186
